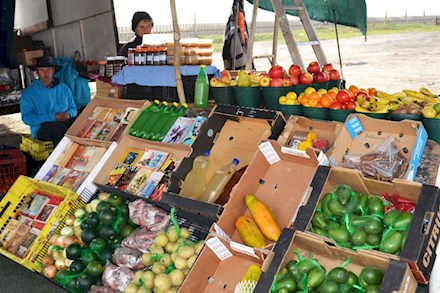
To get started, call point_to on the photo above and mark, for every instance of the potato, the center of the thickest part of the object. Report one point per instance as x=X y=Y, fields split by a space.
x=191 y=260
x=162 y=282
x=146 y=259
x=176 y=246
x=185 y=271
x=169 y=247
x=172 y=234
x=180 y=263
x=158 y=268
x=144 y=290
x=199 y=246
x=172 y=290
x=184 y=233
x=156 y=249
x=177 y=278
x=148 y=279
x=131 y=288
x=137 y=277
x=186 y=251
x=161 y=240
x=165 y=259
x=174 y=255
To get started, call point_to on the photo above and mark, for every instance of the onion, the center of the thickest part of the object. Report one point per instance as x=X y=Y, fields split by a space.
x=94 y=203
x=70 y=219
x=47 y=261
x=58 y=255
x=53 y=238
x=77 y=222
x=50 y=272
x=67 y=231
x=59 y=241
x=69 y=240
x=59 y=264
x=79 y=213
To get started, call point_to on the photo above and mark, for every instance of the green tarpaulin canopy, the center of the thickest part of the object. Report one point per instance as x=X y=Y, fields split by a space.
x=351 y=13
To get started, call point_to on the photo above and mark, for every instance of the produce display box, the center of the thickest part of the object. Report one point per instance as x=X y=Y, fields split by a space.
x=87 y=189
x=80 y=121
x=361 y=134
x=14 y=200
x=230 y=132
x=12 y=164
x=220 y=267
x=325 y=129
x=177 y=151
x=278 y=177
x=397 y=278
x=419 y=251
x=164 y=93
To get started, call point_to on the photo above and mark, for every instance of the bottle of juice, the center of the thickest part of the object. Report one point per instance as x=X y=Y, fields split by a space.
x=201 y=89
x=156 y=128
x=196 y=179
x=154 y=117
x=142 y=118
x=169 y=122
x=218 y=181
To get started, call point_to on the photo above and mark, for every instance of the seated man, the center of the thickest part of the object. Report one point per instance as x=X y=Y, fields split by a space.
x=47 y=105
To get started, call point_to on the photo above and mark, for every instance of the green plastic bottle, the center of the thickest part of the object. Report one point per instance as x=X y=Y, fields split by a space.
x=169 y=122
x=150 y=122
x=143 y=117
x=201 y=89
x=155 y=128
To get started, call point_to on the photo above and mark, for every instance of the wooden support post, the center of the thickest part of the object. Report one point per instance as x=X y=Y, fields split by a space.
x=176 y=35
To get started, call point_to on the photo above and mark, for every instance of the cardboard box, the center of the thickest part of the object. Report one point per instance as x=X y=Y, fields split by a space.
x=419 y=251
x=325 y=129
x=230 y=132
x=81 y=120
x=278 y=178
x=361 y=134
x=397 y=278
x=107 y=89
x=87 y=189
x=26 y=57
x=219 y=267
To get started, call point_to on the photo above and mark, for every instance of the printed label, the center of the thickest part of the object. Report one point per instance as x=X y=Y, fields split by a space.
x=220 y=250
x=354 y=127
x=269 y=152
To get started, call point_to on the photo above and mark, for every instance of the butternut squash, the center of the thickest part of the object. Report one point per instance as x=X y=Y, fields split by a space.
x=249 y=232
x=263 y=217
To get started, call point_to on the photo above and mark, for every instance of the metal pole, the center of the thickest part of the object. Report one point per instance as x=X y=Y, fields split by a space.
x=337 y=42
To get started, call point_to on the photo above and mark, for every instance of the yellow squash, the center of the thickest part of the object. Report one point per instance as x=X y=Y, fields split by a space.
x=249 y=232
x=264 y=217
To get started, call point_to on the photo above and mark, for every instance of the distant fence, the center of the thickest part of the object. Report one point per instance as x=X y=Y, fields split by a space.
x=193 y=30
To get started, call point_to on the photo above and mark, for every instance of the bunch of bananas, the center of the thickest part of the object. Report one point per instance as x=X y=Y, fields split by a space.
x=384 y=102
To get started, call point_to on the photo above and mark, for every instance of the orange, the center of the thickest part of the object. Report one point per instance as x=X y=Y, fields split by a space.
x=326 y=100
x=354 y=89
x=372 y=91
x=332 y=95
x=314 y=101
x=304 y=100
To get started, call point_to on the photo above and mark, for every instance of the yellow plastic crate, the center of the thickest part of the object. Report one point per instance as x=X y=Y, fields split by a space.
x=37 y=145
x=39 y=156
x=12 y=203
x=24 y=148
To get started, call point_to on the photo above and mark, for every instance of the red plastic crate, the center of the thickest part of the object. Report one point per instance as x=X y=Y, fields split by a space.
x=12 y=165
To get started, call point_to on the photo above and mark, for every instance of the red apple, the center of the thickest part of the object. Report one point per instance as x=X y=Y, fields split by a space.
x=295 y=70
x=327 y=67
x=313 y=67
x=264 y=80
x=334 y=74
x=343 y=97
x=319 y=77
x=350 y=105
x=276 y=82
x=336 y=106
x=287 y=81
x=294 y=79
x=305 y=78
x=276 y=71
x=327 y=76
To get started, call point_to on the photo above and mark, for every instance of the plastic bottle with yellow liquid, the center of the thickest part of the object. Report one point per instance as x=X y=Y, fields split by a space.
x=197 y=178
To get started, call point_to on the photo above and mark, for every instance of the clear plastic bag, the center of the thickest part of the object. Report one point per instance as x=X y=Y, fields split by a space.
x=117 y=277
x=128 y=258
x=140 y=239
x=148 y=216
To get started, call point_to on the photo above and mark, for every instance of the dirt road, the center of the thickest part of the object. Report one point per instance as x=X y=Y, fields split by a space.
x=388 y=62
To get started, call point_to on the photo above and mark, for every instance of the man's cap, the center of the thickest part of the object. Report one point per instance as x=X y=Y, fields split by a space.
x=137 y=17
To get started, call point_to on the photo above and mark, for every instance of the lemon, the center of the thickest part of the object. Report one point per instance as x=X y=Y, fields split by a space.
x=429 y=113
x=282 y=100
x=291 y=95
x=309 y=90
x=322 y=91
x=290 y=102
x=333 y=89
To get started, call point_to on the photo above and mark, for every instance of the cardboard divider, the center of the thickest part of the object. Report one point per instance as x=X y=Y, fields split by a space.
x=80 y=121
x=397 y=278
x=283 y=186
x=211 y=274
x=326 y=129
x=419 y=249
x=360 y=134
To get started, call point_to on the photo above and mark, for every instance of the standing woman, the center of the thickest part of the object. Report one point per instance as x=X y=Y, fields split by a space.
x=141 y=24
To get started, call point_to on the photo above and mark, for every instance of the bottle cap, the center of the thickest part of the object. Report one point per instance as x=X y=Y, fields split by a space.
x=156 y=101
x=165 y=103
x=203 y=66
x=185 y=105
x=235 y=161
x=175 y=104
x=207 y=153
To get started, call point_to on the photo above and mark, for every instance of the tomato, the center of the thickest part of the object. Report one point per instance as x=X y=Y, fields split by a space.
x=350 y=105
x=336 y=106
x=343 y=97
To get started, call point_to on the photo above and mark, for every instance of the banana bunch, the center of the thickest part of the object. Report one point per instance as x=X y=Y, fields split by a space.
x=422 y=96
x=371 y=105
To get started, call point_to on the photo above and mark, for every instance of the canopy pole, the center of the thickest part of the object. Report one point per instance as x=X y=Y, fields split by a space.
x=339 y=50
x=250 y=46
x=176 y=36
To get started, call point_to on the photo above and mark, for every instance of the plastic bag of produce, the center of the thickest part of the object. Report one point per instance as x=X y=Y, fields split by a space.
x=148 y=216
x=127 y=257
x=140 y=239
x=101 y=289
x=117 y=277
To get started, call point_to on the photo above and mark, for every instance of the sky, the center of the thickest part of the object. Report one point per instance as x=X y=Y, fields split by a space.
x=217 y=11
